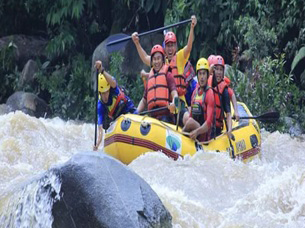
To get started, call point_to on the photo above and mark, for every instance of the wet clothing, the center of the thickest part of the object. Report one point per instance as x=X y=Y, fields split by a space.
x=118 y=103
x=227 y=81
x=170 y=85
x=222 y=105
x=202 y=109
x=158 y=94
x=179 y=65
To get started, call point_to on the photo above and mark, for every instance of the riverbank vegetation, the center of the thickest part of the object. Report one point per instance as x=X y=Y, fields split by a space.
x=262 y=41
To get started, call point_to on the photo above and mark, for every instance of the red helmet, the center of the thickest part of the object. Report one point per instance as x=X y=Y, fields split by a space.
x=219 y=60
x=157 y=48
x=170 y=37
x=212 y=60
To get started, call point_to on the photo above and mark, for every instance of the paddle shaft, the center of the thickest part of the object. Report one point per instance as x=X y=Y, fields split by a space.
x=96 y=102
x=153 y=110
x=269 y=116
x=149 y=32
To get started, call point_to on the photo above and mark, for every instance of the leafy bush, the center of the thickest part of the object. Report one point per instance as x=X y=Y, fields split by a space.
x=134 y=88
x=70 y=89
x=8 y=71
x=267 y=87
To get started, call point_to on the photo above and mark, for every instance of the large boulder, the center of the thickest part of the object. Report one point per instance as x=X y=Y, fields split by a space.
x=28 y=75
x=26 y=47
x=132 y=64
x=99 y=191
x=4 y=109
x=295 y=129
x=28 y=103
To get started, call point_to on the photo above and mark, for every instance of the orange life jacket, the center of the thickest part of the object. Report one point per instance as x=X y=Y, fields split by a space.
x=189 y=73
x=118 y=103
x=157 y=89
x=219 y=114
x=179 y=78
x=199 y=108
x=226 y=80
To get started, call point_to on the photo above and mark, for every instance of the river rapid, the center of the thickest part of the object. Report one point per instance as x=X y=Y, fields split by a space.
x=206 y=190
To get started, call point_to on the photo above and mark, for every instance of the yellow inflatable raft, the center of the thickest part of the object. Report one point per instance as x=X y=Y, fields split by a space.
x=132 y=135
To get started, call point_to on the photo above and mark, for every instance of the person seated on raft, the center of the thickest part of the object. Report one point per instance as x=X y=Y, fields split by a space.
x=176 y=61
x=212 y=60
x=222 y=99
x=202 y=108
x=161 y=88
x=112 y=101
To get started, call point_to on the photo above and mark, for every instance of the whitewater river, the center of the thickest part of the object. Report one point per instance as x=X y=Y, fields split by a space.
x=207 y=190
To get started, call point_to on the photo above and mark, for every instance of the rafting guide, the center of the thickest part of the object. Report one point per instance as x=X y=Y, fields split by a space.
x=112 y=101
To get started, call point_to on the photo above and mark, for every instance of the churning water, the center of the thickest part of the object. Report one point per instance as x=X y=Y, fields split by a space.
x=206 y=190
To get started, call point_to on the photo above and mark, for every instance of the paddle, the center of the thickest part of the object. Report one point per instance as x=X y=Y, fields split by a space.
x=269 y=117
x=116 y=43
x=153 y=110
x=180 y=105
x=96 y=102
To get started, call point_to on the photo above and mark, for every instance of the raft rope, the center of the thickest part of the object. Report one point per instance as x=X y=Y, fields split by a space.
x=162 y=124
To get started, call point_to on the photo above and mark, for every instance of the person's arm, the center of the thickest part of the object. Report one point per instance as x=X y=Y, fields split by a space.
x=109 y=78
x=188 y=47
x=172 y=106
x=100 y=137
x=142 y=105
x=142 y=53
x=173 y=91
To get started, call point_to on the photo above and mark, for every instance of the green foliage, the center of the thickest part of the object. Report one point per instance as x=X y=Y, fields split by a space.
x=298 y=58
x=134 y=88
x=8 y=71
x=267 y=87
x=70 y=89
x=258 y=41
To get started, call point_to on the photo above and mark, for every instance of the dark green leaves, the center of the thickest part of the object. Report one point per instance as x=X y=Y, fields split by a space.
x=298 y=58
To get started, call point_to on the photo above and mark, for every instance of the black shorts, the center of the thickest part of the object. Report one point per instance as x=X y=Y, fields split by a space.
x=166 y=118
x=216 y=131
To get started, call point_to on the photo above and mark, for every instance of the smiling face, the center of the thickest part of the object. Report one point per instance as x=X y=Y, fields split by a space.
x=202 y=76
x=157 y=61
x=170 y=50
x=105 y=96
x=219 y=72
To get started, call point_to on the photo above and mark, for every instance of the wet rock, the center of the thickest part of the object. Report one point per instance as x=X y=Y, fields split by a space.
x=295 y=128
x=25 y=47
x=28 y=103
x=132 y=64
x=99 y=191
x=4 y=109
x=28 y=74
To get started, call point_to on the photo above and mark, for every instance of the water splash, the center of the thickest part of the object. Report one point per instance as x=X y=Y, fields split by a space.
x=206 y=190
x=32 y=206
